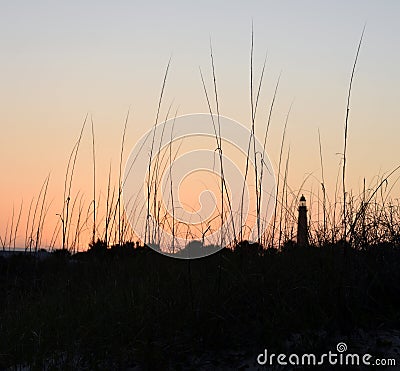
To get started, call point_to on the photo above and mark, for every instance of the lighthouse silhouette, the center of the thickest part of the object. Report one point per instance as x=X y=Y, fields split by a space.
x=302 y=228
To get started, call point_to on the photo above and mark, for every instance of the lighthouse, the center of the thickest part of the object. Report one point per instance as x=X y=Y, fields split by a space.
x=302 y=229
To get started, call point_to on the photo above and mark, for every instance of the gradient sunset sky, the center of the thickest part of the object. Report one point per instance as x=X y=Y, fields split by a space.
x=63 y=59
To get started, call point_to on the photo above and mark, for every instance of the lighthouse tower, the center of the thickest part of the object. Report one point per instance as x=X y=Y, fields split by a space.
x=302 y=229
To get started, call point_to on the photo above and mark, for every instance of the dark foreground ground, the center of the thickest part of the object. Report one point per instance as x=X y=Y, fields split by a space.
x=135 y=309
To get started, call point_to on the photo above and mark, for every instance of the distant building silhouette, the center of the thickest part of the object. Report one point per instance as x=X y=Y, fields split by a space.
x=302 y=225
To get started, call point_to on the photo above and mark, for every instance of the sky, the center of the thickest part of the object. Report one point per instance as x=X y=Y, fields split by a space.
x=61 y=60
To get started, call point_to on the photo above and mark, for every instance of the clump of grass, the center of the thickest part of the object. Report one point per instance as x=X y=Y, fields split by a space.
x=356 y=219
x=69 y=174
x=150 y=185
x=346 y=135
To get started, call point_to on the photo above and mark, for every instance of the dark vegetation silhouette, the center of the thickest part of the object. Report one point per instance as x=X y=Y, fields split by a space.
x=124 y=306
